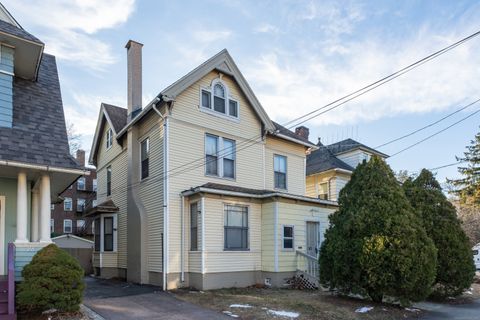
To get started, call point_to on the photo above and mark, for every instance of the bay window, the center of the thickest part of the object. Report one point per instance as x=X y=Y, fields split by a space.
x=105 y=233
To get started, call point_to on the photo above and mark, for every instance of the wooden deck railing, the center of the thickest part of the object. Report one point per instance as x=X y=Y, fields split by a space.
x=307 y=264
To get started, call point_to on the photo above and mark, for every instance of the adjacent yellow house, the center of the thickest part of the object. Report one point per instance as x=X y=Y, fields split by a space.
x=329 y=167
x=200 y=187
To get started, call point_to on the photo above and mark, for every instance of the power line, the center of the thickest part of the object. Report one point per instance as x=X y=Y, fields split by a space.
x=436 y=133
x=312 y=114
x=428 y=126
x=446 y=165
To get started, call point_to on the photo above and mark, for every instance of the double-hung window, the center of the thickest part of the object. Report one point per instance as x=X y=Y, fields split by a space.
x=67 y=226
x=80 y=225
x=236 y=227
x=280 y=171
x=109 y=138
x=220 y=154
x=108 y=234
x=80 y=205
x=81 y=183
x=67 y=204
x=194 y=226
x=323 y=190
x=52 y=225
x=288 y=237
x=109 y=180
x=217 y=99
x=94 y=185
x=144 y=157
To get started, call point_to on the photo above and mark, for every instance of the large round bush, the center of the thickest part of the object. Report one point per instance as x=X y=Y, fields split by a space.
x=52 y=280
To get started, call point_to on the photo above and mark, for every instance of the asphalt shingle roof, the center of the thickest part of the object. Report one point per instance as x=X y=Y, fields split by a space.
x=322 y=160
x=290 y=133
x=18 y=32
x=117 y=115
x=38 y=135
x=350 y=144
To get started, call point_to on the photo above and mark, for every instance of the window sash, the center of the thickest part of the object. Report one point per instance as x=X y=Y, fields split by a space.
x=288 y=237
x=109 y=138
x=236 y=228
x=67 y=226
x=211 y=155
x=280 y=180
x=67 y=204
x=194 y=226
x=81 y=184
x=97 y=234
x=206 y=99
x=233 y=108
x=109 y=180
x=280 y=172
x=108 y=233
x=220 y=163
x=80 y=205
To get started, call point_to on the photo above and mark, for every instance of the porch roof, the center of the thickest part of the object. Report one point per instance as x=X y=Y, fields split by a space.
x=104 y=207
x=229 y=190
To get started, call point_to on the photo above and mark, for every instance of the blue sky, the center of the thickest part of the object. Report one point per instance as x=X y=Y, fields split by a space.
x=297 y=55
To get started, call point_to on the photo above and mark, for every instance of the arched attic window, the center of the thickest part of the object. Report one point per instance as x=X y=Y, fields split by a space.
x=219 y=98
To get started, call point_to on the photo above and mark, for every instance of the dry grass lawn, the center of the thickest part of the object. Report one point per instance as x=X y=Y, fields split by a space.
x=309 y=304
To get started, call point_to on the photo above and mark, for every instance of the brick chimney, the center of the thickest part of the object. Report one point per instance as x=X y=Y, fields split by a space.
x=81 y=157
x=134 y=76
x=302 y=131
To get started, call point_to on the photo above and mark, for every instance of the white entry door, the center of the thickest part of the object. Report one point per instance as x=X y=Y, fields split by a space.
x=313 y=238
x=2 y=235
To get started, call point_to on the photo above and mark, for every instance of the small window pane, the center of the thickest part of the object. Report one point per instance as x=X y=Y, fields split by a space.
x=211 y=158
x=81 y=184
x=144 y=157
x=206 y=99
x=194 y=226
x=288 y=232
x=228 y=168
x=108 y=234
x=219 y=104
x=233 y=108
x=219 y=91
x=109 y=181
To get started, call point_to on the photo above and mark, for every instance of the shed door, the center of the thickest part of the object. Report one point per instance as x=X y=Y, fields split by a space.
x=313 y=238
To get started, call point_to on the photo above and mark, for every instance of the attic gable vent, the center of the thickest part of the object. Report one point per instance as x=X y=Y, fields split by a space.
x=6 y=86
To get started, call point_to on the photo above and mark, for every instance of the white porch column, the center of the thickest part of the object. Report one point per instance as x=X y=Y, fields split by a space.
x=35 y=212
x=45 y=209
x=22 y=200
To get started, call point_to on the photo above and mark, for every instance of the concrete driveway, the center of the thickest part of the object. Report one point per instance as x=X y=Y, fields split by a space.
x=119 y=300
x=440 y=311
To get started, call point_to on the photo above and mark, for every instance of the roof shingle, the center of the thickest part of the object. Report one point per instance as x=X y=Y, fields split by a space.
x=38 y=135
x=117 y=115
x=322 y=160
x=18 y=32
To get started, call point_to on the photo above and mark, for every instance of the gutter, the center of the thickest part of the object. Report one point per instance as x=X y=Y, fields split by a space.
x=258 y=196
x=43 y=167
x=310 y=145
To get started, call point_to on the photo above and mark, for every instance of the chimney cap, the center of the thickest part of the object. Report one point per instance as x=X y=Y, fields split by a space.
x=129 y=43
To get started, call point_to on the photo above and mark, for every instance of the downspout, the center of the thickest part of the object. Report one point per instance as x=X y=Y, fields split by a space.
x=165 y=198
x=182 y=243
x=203 y=234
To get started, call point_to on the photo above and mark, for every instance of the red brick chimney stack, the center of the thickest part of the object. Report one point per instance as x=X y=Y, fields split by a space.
x=302 y=131
x=81 y=157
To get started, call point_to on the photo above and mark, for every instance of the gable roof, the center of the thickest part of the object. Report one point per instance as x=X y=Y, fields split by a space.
x=38 y=135
x=9 y=28
x=349 y=145
x=116 y=118
x=323 y=160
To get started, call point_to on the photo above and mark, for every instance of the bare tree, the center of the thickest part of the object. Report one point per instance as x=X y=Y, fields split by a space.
x=74 y=138
x=470 y=217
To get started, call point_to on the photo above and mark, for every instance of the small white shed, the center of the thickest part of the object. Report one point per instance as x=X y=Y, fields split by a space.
x=71 y=241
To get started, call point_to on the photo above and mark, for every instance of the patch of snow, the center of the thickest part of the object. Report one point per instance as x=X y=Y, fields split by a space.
x=286 y=314
x=412 y=309
x=364 y=309
x=228 y=313
x=264 y=308
x=240 y=306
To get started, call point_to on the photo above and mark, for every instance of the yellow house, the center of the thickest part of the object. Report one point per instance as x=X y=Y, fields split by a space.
x=200 y=187
x=330 y=167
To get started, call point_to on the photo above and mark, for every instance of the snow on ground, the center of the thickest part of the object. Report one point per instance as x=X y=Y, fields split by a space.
x=286 y=314
x=363 y=309
x=412 y=309
x=240 y=306
x=228 y=313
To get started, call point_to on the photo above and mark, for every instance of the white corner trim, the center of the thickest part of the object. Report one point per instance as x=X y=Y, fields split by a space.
x=202 y=204
x=165 y=202
x=275 y=235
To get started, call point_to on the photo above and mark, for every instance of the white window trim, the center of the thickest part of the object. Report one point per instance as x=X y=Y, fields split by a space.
x=71 y=226
x=140 y=158
x=328 y=189
x=109 y=138
x=115 y=232
x=94 y=185
x=220 y=148
x=283 y=237
x=71 y=204
x=249 y=243
x=286 y=171
x=228 y=97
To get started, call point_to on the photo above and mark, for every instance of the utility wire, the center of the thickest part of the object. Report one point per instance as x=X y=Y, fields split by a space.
x=311 y=115
x=436 y=133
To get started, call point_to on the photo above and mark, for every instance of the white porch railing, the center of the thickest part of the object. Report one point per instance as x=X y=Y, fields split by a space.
x=307 y=270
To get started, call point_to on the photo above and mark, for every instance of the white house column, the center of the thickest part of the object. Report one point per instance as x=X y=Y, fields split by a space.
x=22 y=208
x=35 y=212
x=45 y=209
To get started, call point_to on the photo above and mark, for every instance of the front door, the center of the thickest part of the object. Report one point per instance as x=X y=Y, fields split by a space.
x=313 y=238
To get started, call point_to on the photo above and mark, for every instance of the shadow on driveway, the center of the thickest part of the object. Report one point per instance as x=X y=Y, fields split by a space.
x=440 y=311
x=118 y=300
